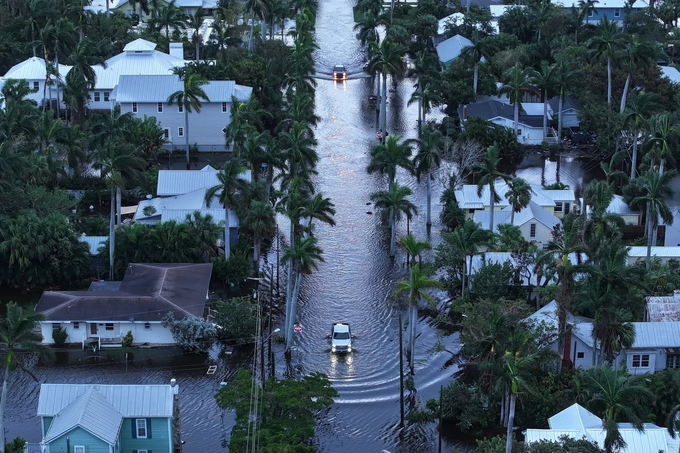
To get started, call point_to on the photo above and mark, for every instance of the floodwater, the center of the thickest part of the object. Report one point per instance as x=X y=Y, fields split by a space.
x=355 y=284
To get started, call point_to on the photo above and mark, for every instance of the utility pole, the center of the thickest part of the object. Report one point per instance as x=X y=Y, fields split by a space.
x=278 y=268
x=441 y=390
x=262 y=375
x=272 y=370
x=401 y=374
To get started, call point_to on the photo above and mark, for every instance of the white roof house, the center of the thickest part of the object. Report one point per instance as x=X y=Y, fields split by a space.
x=577 y=422
x=670 y=73
x=663 y=253
x=34 y=73
x=533 y=212
x=468 y=199
x=177 y=182
x=451 y=48
x=157 y=88
x=453 y=19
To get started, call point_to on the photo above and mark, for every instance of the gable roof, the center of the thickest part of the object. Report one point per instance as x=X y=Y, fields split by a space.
x=569 y=103
x=548 y=314
x=492 y=108
x=532 y=212
x=575 y=417
x=656 y=335
x=661 y=252
x=158 y=88
x=128 y=400
x=91 y=412
x=147 y=293
x=451 y=48
x=670 y=73
x=33 y=69
x=177 y=182
x=454 y=19
x=468 y=199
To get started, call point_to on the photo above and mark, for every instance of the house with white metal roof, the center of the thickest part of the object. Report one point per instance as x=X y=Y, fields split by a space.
x=34 y=74
x=83 y=418
x=148 y=96
x=664 y=254
x=614 y=10
x=452 y=48
x=578 y=423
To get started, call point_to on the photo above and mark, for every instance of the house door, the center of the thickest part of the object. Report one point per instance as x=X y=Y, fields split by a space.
x=93 y=328
x=566 y=208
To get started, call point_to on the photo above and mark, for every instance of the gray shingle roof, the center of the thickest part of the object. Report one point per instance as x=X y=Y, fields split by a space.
x=147 y=293
x=569 y=103
x=91 y=412
x=158 y=88
x=128 y=400
x=494 y=109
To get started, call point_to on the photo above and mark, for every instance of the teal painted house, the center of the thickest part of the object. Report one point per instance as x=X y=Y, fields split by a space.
x=83 y=418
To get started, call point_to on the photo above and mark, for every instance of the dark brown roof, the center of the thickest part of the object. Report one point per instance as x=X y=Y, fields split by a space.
x=147 y=293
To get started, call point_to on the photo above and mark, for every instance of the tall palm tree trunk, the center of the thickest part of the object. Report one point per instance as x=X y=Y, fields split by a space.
x=296 y=292
x=633 y=164
x=256 y=256
x=429 y=199
x=118 y=206
x=414 y=332
x=462 y=287
x=112 y=232
x=650 y=225
x=559 y=117
x=511 y=421
x=474 y=81
x=516 y=125
x=197 y=50
x=3 y=402
x=393 y=231
x=512 y=216
x=625 y=95
x=383 y=107
x=252 y=31
x=609 y=80
x=492 y=205
x=545 y=116
x=186 y=133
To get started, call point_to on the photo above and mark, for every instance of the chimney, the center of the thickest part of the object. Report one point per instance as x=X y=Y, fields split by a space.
x=177 y=50
x=676 y=296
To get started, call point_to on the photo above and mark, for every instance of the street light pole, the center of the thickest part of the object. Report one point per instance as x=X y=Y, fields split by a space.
x=271 y=296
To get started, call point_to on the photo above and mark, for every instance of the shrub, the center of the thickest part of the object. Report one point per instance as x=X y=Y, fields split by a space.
x=128 y=339
x=59 y=336
x=233 y=271
x=237 y=320
x=149 y=210
x=16 y=446
x=193 y=335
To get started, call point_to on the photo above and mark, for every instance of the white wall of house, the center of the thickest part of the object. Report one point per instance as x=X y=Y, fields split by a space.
x=542 y=235
x=100 y=100
x=142 y=332
x=581 y=353
x=640 y=361
x=205 y=128
x=527 y=136
x=569 y=118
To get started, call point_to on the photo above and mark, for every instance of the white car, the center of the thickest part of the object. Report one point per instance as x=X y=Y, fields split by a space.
x=341 y=337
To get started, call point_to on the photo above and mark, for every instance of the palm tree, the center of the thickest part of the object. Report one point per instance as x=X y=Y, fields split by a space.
x=566 y=74
x=195 y=22
x=663 y=138
x=414 y=248
x=189 y=97
x=672 y=422
x=18 y=336
x=416 y=289
x=488 y=169
x=656 y=189
x=426 y=98
x=303 y=256
x=518 y=195
x=260 y=220
x=396 y=202
x=544 y=80
x=230 y=183
x=640 y=108
x=319 y=208
x=367 y=28
x=519 y=82
x=637 y=54
x=480 y=45
x=386 y=158
x=386 y=58
x=541 y=12
x=585 y=7
x=606 y=44
x=468 y=240
x=170 y=16
x=259 y=9
x=428 y=159
x=298 y=148
x=616 y=396
x=82 y=74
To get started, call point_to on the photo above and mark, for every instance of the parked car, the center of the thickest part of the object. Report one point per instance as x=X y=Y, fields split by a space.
x=341 y=337
x=339 y=72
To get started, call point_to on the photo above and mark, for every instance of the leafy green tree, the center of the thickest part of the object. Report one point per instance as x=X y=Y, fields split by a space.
x=586 y=8
x=388 y=157
x=616 y=396
x=395 y=201
x=489 y=173
x=414 y=249
x=386 y=58
x=640 y=108
x=663 y=138
x=236 y=319
x=195 y=335
x=189 y=97
x=169 y=16
x=18 y=336
x=288 y=412
x=195 y=22
x=564 y=78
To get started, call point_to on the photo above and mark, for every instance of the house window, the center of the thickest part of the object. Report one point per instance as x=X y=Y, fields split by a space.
x=56 y=326
x=141 y=428
x=76 y=325
x=106 y=96
x=591 y=13
x=134 y=107
x=79 y=449
x=566 y=208
x=109 y=326
x=224 y=107
x=97 y=96
x=129 y=12
x=617 y=12
x=545 y=246
x=180 y=132
x=160 y=107
x=187 y=11
x=180 y=107
x=36 y=86
x=166 y=134
x=532 y=230
x=28 y=85
x=640 y=360
x=519 y=131
x=580 y=355
x=472 y=211
x=147 y=326
x=558 y=206
x=672 y=361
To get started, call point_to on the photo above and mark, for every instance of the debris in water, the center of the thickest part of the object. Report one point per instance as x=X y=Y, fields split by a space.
x=369 y=213
x=368 y=203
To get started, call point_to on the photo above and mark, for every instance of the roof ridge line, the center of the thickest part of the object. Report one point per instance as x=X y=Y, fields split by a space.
x=177 y=306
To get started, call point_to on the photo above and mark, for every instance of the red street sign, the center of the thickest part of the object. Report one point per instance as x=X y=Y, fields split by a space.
x=379 y=134
x=297 y=328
